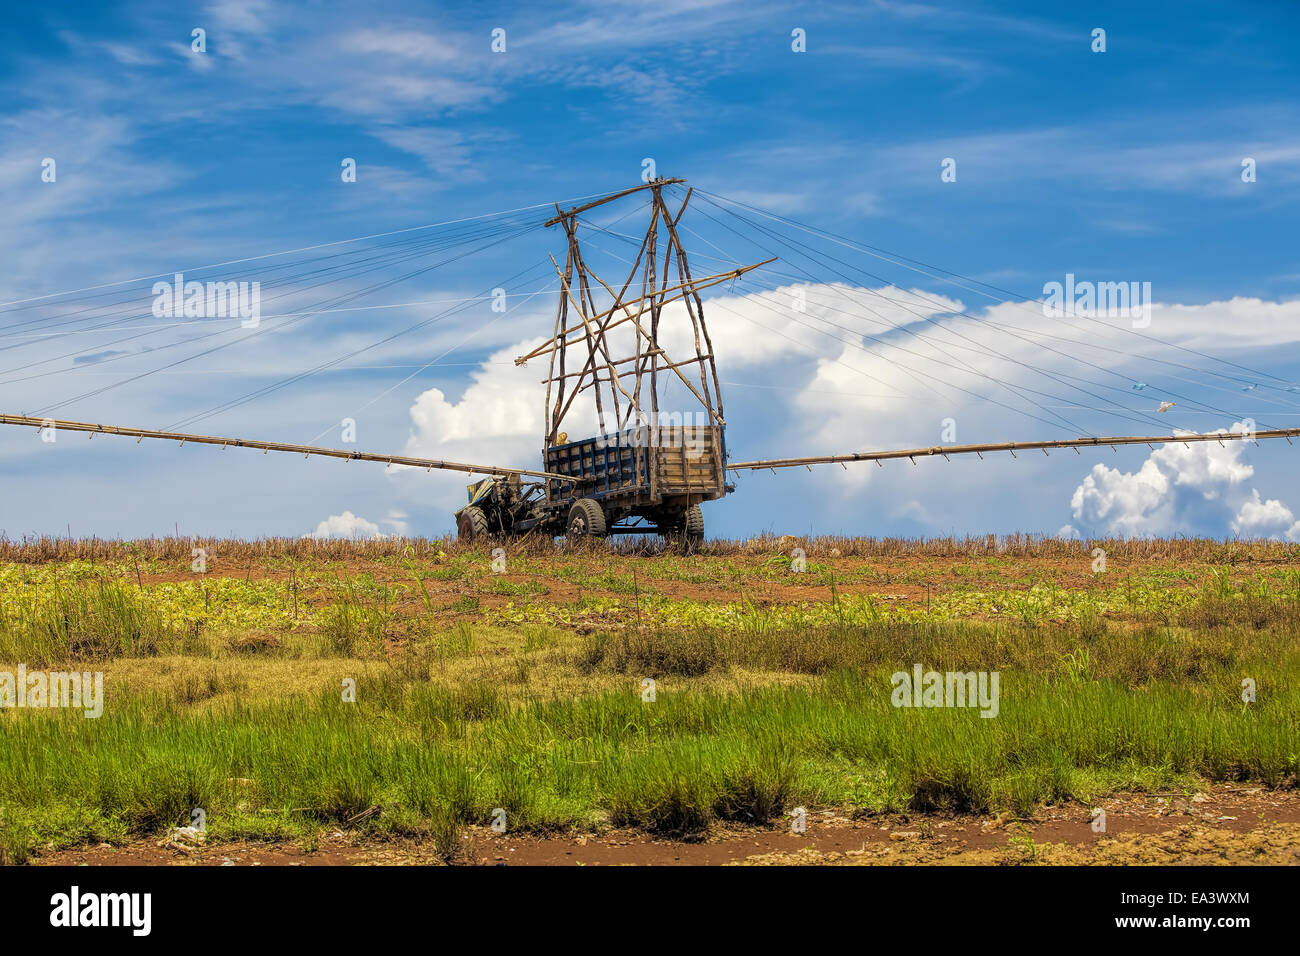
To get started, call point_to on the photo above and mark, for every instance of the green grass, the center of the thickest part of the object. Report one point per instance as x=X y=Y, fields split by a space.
x=478 y=691
x=426 y=754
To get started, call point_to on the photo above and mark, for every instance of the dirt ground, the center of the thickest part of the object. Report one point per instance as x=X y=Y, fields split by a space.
x=891 y=579
x=1227 y=824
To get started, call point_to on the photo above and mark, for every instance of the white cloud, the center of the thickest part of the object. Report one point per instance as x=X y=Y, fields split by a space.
x=241 y=16
x=346 y=525
x=1193 y=488
x=411 y=44
x=498 y=418
x=500 y=412
x=1265 y=519
x=1125 y=504
x=443 y=151
x=1187 y=161
x=863 y=369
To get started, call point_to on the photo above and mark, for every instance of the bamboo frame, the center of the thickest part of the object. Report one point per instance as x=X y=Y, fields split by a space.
x=553 y=343
x=600 y=371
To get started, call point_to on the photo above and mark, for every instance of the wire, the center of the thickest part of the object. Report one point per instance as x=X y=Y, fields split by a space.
x=258 y=393
x=1184 y=398
x=267 y=329
x=322 y=245
x=1015 y=297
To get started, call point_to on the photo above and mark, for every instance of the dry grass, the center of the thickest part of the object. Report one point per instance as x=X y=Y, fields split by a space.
x=314 y=551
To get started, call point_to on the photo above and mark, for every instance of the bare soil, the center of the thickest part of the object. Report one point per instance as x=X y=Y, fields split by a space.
x=1226 y=824
x=885 y=578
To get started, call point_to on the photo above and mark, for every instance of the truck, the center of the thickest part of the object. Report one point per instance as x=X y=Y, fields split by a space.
x=644 y=480
x=647 y=470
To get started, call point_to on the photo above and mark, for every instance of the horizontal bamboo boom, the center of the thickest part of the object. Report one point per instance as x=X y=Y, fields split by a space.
x=610 y=198
x=1011 y=446
x=307 y=450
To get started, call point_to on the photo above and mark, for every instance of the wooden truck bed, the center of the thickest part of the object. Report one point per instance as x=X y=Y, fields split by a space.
x=643 y=467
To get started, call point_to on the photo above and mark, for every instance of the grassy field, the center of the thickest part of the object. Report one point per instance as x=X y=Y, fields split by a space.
x=523 y=689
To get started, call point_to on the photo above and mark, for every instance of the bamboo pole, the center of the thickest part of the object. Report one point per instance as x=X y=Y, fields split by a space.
x=684 y=273
x=610 y=198
x=593 y=345
x=1013 y=447
x=703 y=327
x=561 y=319
x=306 y=450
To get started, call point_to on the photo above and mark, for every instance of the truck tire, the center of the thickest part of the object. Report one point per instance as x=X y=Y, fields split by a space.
x=694 y=525
x=586 y=520
x=687 y=526
x=472 y=524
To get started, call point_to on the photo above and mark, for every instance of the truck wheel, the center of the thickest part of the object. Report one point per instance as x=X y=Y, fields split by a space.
x=586 y=519
x=472 y=524
x=688 y=526
x=694 y=525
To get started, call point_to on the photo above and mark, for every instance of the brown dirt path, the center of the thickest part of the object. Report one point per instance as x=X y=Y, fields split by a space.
x=1229 y=824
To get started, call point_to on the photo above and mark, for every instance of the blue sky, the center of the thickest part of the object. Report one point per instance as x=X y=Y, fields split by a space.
x=1112 y=166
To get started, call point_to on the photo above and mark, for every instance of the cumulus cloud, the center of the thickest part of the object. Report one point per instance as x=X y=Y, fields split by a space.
x=346 y=525
x=497 y=420
x=854 y=369
x=1197 y=488
x=1126 y=504
x=1265 y=519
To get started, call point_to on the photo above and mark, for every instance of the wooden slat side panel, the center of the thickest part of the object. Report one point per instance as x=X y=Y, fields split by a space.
x=602 y=465
x=688 y=460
